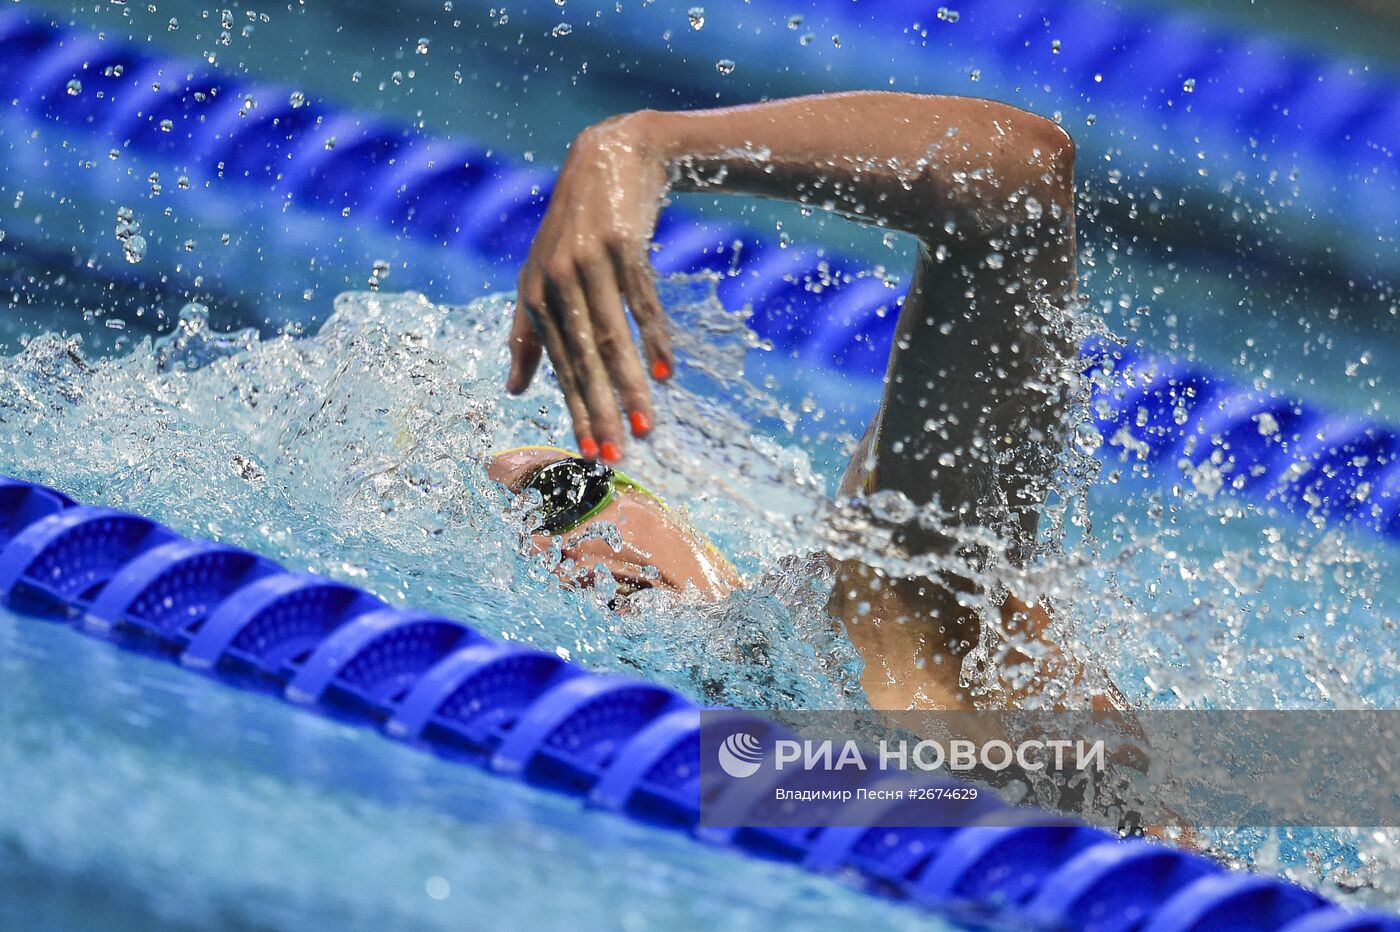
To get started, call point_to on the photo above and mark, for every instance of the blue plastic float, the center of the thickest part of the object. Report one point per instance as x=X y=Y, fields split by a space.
x=621 y=744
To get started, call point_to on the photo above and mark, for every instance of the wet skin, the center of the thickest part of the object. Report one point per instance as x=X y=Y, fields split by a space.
x=972 y=412
x=659 y=548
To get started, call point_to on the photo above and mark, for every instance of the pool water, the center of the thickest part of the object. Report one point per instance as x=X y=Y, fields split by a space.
x=346 y=435
x=356 y=452
x=139 y=796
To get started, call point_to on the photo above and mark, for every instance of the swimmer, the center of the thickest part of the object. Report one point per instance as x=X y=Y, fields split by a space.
x=972 y=415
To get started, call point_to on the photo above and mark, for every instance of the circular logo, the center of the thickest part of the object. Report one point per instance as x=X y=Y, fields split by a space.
x=740 y=755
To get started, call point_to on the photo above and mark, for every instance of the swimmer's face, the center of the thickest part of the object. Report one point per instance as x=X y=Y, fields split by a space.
x=659 y=548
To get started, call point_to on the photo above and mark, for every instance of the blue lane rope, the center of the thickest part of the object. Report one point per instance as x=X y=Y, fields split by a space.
x=1273 y=449
x=1335 y=112
x=621 y=744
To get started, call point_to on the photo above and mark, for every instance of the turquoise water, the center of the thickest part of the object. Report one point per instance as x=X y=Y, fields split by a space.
x=139 y=791
x=140 y=796
x=137 y=795
x=356 y=452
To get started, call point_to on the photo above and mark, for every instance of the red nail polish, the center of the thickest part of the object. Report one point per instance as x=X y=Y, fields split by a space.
x=611 y=454
x=589 y=448
x=641 y=424
x=660 y=370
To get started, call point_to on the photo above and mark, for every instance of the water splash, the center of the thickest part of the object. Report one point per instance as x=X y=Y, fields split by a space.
x=358 y=452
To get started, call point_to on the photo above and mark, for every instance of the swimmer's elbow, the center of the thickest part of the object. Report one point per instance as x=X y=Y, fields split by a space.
x=1021 y=133
x=1052 y=151
x=1039 y=163
x=1051 y=137
x=1009 y=155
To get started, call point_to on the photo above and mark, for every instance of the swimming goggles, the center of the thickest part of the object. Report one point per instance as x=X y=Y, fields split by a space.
x=573 y=490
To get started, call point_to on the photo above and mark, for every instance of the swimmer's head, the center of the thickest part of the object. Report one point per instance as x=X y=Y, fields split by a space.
x=659 y=548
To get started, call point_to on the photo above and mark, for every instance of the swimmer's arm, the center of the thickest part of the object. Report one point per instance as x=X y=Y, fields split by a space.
x=920 y=164
x=986 y=187
x=910 y=162
x=972 y=410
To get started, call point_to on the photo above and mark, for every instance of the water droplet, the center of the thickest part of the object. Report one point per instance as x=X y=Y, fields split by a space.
x=794 y=21
x=947 y=15
x=1055 y=46
x=975 y=74
x=563 y=29
x=378 y=272
x=297 y=100
x=697 y=17
x=806 y=38
x=134 y=248
x=1189 y=85
x=836 y=41
x=423 y=46
x=75 y=87
x=247 y=469
x=167 y=125
x=725 y=66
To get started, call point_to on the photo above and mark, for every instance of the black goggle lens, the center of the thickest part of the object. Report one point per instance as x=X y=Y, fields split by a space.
x=569 y=489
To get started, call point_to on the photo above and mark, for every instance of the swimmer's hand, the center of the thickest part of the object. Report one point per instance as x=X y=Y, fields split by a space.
x=590 y=254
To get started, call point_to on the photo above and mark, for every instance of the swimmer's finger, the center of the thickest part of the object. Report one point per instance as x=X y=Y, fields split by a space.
x=545 y=324
x=569 y=307
x=613 y=338
x=525 y=351
x=635 y=274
